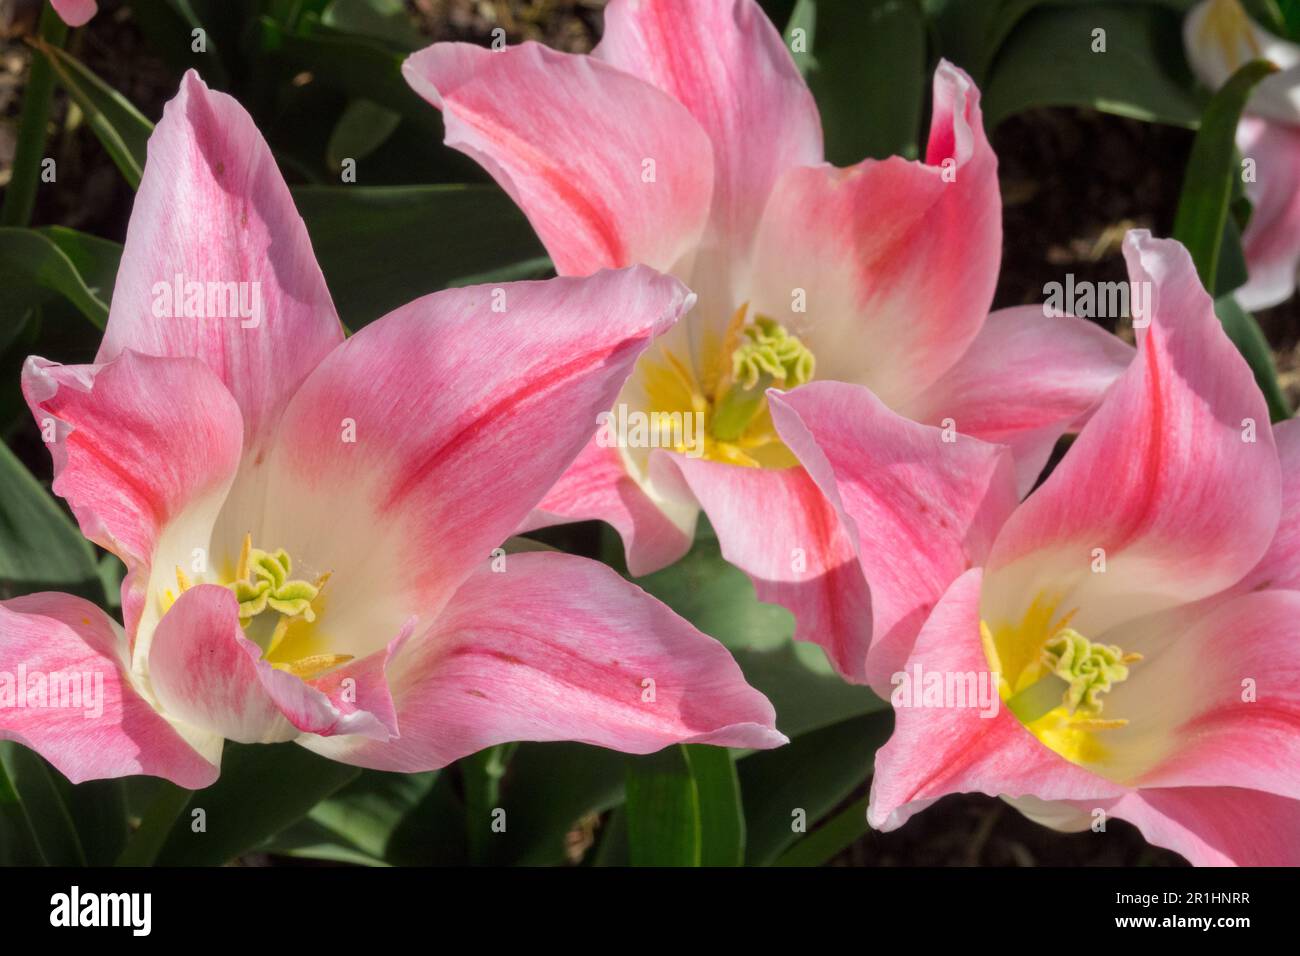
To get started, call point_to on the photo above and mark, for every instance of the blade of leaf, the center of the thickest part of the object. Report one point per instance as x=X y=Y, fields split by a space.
x=29 y=151
x=32 y=258
x=722 y=818
x=40 y=547
x=382 y=247
x=829 y=839
x=121 y=128
x=262 y=790
x=866 y=69
x=1048 y=60
x=801 y=782
x=1207 y=183
x=42 y=793
x=663 y=810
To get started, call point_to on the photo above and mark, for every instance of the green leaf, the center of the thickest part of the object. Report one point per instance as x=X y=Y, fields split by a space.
x=722 y=817
x=382 y=247
x=262 y=790
x=34 y=266
x=40 y=547
x=803 y=781
x=362 y=129
x=829 y=839
x=548 y=788
x=42 y=800
x=663 y=810
x=385 y=20
x=121 y=128
x=1211 y=169
x=865 y=65
x=29 y=151
x=1048 y=60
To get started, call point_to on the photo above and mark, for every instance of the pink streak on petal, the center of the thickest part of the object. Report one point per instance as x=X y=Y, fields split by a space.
x=212 y=207
x=1026 y=380
x=919 y=510
x=568 y=138
x=557 y=648
x=49 y=634
x=898 y=264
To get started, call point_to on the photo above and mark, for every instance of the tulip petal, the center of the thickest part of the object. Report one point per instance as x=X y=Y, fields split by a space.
x=1025 y=381
x=778 y=527
x=597 y=487
x=207 y=674
x=212 y=208
x=1271 y=241
x=553 y=129
x=1280 y=566
x=108 y=729
x=144 y=451
x=896 y=261
x=75 y=13
x=726 y=63
x=424 y=441
x=559 y=648
x=919 y=509
x=1219 y=43
x=938 y=750
x=1174 y=482
x=1215 y=700
x=1216 y=826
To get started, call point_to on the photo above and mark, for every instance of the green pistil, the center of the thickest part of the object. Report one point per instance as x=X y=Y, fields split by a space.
x=767 y=356
x=1089 y=669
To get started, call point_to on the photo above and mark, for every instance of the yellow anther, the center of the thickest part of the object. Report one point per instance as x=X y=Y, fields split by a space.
x=309 y=667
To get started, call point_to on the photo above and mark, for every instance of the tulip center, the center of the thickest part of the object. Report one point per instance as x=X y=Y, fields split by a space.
x=276 y=610
x=1055 y=679
x=766 y=355
x=728 y=395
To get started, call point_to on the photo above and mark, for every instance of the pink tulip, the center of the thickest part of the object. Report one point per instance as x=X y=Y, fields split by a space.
x=308 y=523
x=688 y=141
x=1220 y=38
x=75 y=13
x=1137 y=617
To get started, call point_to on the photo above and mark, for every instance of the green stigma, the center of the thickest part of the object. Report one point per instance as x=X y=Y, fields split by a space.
x=1089 y=669
x=767 y=355
x=263 y=583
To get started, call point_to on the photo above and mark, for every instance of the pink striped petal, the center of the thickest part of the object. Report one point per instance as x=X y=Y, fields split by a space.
x=1271 y=241
x=213 y=208
x=1215 y=701
x=897 y=265
x=1163 y=479
x=1025 y=381
x=609 y=170
x=939 y=750
x=559 y=648
x=206 y=673
x=597 y=487
x=778 y=527
x=141 y=445
x=1216 y=826
x=104 y=728
x=426 y=439
x=919 y=509
x=1280 y=566
x=726 y=63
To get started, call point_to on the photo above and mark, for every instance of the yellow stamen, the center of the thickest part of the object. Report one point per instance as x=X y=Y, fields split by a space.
x=309 y=667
